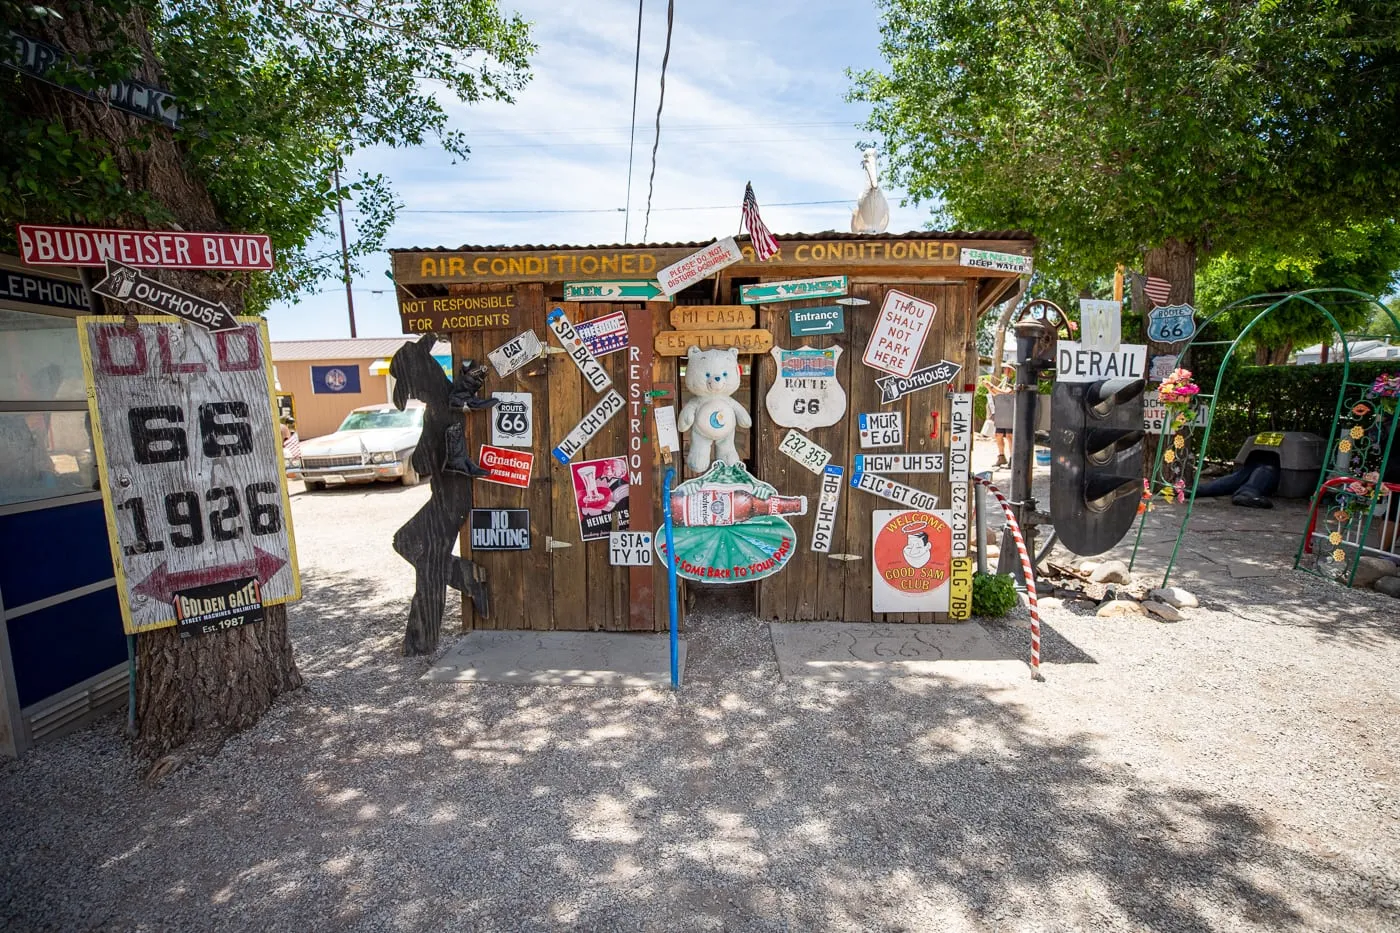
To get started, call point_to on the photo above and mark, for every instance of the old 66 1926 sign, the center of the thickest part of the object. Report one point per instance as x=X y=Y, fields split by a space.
x=192 y=473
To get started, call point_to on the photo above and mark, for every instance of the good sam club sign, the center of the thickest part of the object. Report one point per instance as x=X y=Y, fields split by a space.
x=192 y=472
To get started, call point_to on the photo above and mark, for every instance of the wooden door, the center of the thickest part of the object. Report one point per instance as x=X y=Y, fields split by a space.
x=815 y=585
x=564 y=583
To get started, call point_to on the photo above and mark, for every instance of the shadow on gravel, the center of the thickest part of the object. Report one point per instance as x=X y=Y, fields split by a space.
x=379 y=801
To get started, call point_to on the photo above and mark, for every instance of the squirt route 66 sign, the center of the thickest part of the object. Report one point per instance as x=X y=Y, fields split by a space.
x=806 y=393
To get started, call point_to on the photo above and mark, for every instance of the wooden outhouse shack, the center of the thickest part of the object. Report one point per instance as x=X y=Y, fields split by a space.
x=891 y=321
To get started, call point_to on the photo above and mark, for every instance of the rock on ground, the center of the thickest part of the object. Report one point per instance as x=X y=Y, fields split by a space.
x=1121 y=607
x=1370 y=569
x=1390 y=586
x=1163 y=611
x=1112 y=571
x=1174 y=596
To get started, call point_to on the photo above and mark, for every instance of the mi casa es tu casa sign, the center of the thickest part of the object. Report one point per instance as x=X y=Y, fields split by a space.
x=594 y=264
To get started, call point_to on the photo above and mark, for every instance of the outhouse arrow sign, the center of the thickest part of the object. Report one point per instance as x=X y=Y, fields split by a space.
x=127 y=283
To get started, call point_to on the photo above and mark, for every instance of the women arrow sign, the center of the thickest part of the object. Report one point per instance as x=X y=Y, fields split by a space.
x=128 y=283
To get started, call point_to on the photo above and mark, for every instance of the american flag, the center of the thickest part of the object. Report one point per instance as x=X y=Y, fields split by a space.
x=764 y=245
x=291 y=448
x=1157 y=290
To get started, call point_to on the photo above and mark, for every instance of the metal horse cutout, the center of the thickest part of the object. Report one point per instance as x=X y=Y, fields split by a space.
x=426 y=539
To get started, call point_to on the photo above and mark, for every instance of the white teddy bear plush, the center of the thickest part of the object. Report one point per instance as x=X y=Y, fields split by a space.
x=711 y=376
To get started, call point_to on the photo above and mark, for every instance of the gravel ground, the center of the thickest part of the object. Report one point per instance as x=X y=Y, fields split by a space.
x=1228 y=772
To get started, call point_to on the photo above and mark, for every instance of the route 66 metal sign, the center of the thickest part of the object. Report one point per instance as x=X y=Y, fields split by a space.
x=806 y=393
x=1171 y=323
x=512 y=420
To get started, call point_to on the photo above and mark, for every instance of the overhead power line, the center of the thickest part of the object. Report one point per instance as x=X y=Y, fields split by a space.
x=632 y=137
x=660 y=102
x=616 y=210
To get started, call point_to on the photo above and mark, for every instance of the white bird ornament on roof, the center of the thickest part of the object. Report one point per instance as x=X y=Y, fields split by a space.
x=872 y=213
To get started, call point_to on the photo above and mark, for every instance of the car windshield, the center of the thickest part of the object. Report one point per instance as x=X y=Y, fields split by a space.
x=369 y=420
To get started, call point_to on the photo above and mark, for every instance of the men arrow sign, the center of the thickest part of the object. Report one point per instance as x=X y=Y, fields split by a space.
x=127 y=283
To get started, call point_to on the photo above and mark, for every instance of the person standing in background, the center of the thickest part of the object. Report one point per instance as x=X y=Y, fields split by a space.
x=1001 y=402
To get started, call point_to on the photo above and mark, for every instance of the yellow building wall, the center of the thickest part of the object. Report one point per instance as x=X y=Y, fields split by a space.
x=322 y=414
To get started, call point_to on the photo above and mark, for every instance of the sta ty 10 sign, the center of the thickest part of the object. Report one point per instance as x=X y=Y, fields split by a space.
x=191 y=462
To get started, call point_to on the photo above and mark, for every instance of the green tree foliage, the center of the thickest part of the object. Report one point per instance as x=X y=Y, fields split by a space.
x=275 y=94
x=1109 y=128
x=1363 y=257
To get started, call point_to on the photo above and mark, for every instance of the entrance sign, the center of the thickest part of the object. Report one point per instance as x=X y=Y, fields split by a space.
x=899 y=463
x=147 y=249
x=819 y=322
x=998 y=262
x=699 y=266
x=592 y=423
x=795 y=290
x=631 y=290
x=513 y=420
x=629 y=549
x=506 y=467
x=730 y=527
x=127 y=283
x=887 y=488
x=881 y=429
x=806 y=393
x=500 y=529
x=515 y=353
x=193 y=481
x=894 y=388
x=38 y=59
x=800 y=448
x=825 y=526
x=604 y=335
x=700 y=317
x=1171 y=323
x=218 y=607
x=679 y=342
x=959 y=466
x=601 y=495
x=1100 y=323
x=446 y=313
x=1075 y=362
x=912 y=561
x=593 y=372
x=899 y=333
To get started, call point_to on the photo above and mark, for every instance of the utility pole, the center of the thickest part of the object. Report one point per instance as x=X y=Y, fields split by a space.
x=344 y=249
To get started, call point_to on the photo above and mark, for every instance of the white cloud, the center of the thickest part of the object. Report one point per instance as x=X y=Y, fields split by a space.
x=754 y=92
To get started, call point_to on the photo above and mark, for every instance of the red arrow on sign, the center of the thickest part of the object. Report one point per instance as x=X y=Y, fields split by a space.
x=162 y=584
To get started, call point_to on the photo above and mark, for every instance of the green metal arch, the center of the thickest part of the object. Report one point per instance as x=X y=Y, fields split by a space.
x=1282 y=298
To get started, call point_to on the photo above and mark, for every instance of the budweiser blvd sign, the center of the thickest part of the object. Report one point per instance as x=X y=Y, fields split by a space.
x=507 y=467
x=145 y=249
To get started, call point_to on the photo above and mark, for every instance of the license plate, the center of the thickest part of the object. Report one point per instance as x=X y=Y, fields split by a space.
x=332 y=479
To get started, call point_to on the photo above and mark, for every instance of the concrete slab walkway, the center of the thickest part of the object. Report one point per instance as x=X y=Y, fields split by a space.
x=579 y=659
x=869 y=652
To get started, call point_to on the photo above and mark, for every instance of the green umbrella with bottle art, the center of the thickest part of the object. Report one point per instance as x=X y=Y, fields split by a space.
x=729 y=527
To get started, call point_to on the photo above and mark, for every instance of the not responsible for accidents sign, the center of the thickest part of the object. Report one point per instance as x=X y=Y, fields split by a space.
x=190 y=458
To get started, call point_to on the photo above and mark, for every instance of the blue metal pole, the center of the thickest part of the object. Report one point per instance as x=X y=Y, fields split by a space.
x=671 y=577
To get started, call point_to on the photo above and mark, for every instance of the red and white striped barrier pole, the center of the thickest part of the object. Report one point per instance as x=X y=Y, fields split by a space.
x=1026 y=570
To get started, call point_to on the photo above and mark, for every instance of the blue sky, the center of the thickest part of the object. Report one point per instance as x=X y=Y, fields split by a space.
x=754 y=92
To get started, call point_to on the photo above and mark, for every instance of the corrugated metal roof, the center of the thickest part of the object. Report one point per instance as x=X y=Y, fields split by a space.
x=362 y=348
x=697 y=244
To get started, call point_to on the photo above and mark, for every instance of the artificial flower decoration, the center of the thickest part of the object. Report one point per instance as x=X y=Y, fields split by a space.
x=1334 y=538
x=1344 y=446
x=1357 y=432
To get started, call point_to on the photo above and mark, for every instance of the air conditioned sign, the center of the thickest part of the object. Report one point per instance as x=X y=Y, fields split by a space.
x=192 y=473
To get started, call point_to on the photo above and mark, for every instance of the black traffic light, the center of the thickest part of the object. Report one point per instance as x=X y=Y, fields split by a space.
x=1096 y=475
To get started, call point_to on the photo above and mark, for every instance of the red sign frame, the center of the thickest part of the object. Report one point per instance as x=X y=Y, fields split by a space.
x=42 y=245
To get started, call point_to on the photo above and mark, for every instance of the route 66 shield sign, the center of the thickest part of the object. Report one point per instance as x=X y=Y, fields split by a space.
x=806 y=393
x=512 y=421
x=1171 y=323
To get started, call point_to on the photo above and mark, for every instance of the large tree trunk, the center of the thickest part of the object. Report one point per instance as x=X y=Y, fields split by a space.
x=200 y=687
x=1175 y=261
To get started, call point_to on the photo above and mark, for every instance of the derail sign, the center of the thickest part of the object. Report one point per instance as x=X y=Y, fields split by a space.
x=146 y=249
x=191 y=466
x=1076 y=363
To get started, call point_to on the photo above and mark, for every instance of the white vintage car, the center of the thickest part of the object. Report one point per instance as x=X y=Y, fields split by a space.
x=375 y=442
